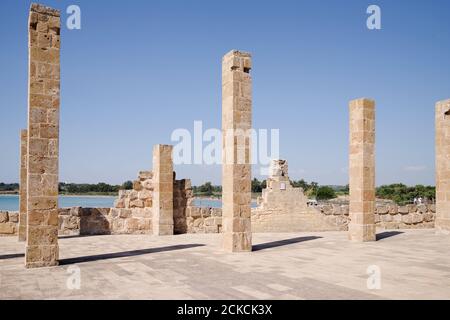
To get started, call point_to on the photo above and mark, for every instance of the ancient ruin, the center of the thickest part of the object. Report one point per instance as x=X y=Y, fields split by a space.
x=236 y=168
x=362 y=170
x=443 y=165
x=160 y=205
x=163 y=190
x=43 y=137
x=23 y=186
x=283 y=208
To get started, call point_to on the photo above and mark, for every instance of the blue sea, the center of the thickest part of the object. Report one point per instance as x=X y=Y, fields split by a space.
x=11 y=202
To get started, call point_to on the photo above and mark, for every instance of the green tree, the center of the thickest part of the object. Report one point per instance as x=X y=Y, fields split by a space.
x=127 y=185
x=256 y=185
x=325 y=193
x=206 y=189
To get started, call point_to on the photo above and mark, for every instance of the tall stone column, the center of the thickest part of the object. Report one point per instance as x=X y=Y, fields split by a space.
x=443 y=165
x=23 y=186
x=163 y=190
x=362 y=170
x=236 y=151
x=43 y=137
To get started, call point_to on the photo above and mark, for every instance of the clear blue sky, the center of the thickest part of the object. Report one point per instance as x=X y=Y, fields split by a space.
x=137 y=70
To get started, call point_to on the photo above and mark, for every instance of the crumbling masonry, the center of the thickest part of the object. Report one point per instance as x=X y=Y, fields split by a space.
x=23 y=186
x=236 y=168
x=362 y=170
x=43 y=137
x=443 y=165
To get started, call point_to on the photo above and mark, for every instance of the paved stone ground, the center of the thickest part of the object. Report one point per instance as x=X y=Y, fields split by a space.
x=414 y=264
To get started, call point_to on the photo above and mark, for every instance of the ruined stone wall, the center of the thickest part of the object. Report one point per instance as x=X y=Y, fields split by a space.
x=141 y=196
x=182 y=200
x=325 y=217
x=204 y=220
x=283 y=208
x=138 y=202
x=9 y=223
x=387 y=216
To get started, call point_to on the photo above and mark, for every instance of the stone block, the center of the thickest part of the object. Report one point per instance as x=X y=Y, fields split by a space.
x=13 y=217
x=382 y=210
x=3 y=216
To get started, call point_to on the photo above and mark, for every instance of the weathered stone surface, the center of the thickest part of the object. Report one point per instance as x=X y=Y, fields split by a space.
x=393 y=208
x=403 y=209
x=382 y=209
x=236 y=151
x=407 y=219
x=23 y=185
x=422 y=208
x=8 y=228
x=163 y=177
x=137 y=204
x=43 y=136
x=362 y=170
x=13 y=217
x=145 y=175
x=4 y=216
x=442 y=140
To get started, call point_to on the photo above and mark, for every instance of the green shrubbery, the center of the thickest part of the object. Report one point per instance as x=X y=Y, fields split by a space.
x=402 y=194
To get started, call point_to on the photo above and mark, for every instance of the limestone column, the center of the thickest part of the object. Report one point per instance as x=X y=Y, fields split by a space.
x=23 y=186
x=362 y=170
x=443 y=165
x=236 y=149
x=43 y=137
x=163 y=190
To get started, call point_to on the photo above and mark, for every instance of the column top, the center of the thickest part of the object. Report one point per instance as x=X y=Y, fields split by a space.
x=39 y=8
x=443 y=102
x=237 y=53
x=236 y=60
x=362 y=102
x=162 y=147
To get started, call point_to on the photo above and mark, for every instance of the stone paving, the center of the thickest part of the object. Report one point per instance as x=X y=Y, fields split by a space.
x=414 y=264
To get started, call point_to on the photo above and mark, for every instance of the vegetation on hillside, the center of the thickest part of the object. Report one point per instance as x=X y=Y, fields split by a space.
x=99 y=188
x=402 y=194
x=9 y=187
x=397 y=192
x=207 y=190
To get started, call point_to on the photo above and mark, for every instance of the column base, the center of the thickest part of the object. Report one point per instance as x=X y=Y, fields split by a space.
x=163 y=230
x=442 y=225
x=362 y=232
x=41 y=256
x=237 y=242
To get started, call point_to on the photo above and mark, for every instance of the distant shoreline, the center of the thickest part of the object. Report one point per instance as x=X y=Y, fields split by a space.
x=69 y=195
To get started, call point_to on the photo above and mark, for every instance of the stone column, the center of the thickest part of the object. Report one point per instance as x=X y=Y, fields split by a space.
x=163 y=190
x=43 y=137
x=362 y=170
x=443 y=165
x=23 y=186
x=236 y=149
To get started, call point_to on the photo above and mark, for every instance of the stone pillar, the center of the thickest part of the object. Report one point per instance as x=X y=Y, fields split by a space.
x=23 y=186
x=236 y=151
x=443 y=165
x=163 y=190
x=362 y=170
x=43 y=137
